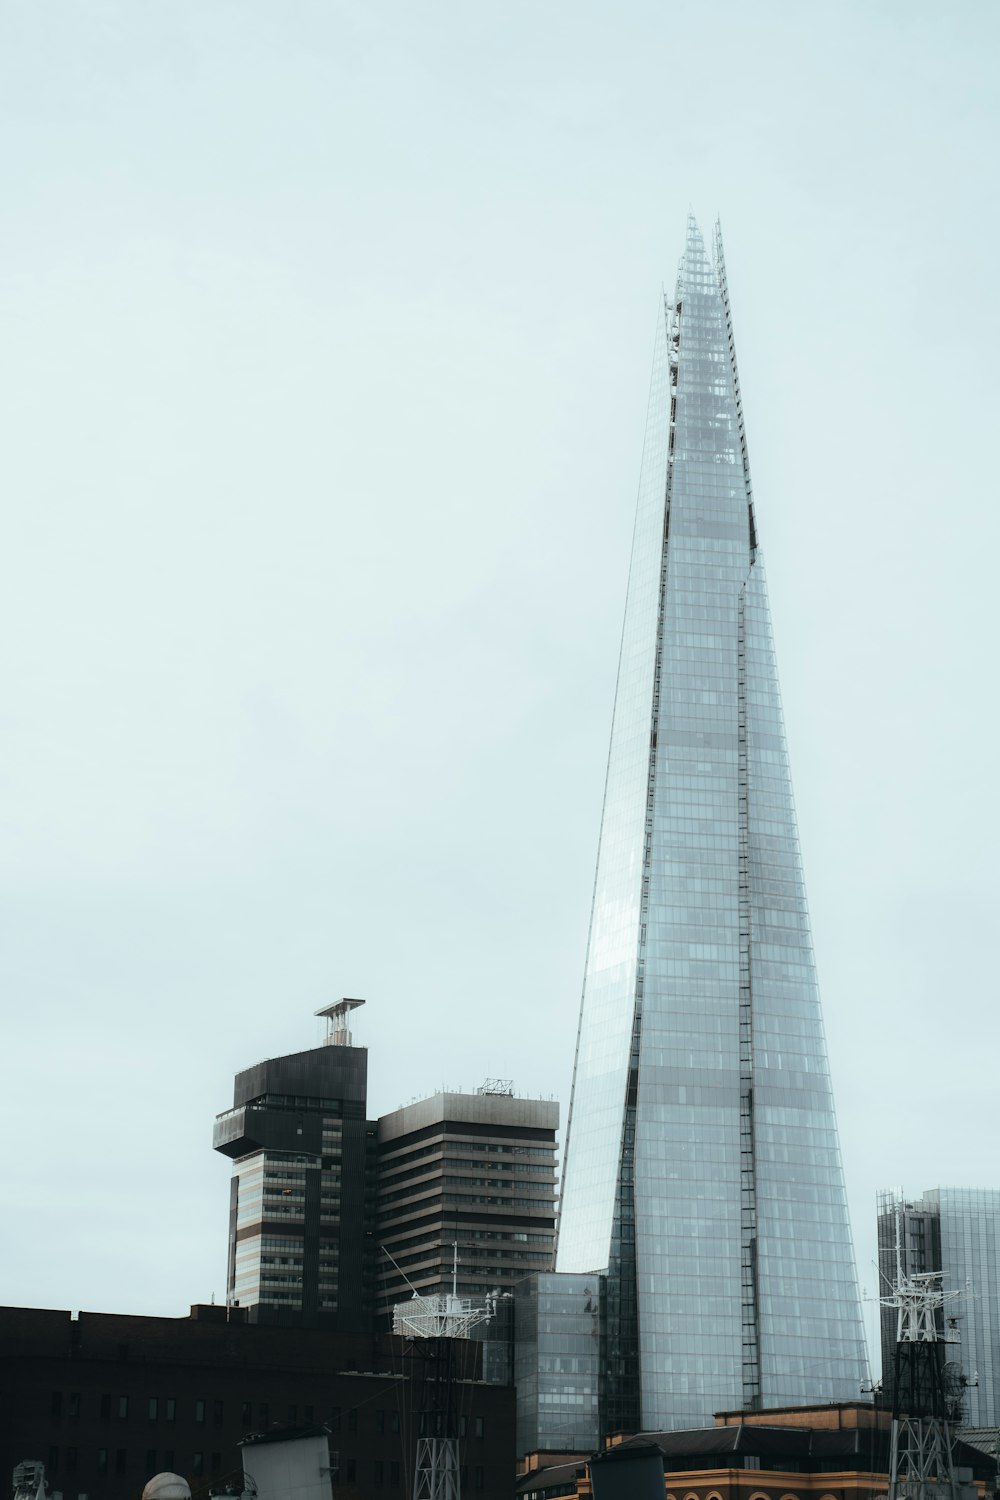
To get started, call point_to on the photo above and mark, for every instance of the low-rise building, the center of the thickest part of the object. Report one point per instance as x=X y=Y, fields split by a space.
x=834 y=1452
x=106 y=1401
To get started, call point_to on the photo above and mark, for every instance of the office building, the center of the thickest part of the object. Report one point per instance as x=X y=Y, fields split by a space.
x=301 y=1227
x=954 y=1231
x=702 y=1167
x=466 y=1174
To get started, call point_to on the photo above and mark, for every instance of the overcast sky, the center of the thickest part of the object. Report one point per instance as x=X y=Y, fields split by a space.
x=326 y=331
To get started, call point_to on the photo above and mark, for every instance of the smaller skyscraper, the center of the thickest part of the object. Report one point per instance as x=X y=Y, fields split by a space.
x=301 y=1224
x=955 y=1231
x=476 y=1171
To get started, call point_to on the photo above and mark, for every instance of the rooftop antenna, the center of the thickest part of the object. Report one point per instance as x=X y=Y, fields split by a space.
x=921 y=1463
x=433 y=1321
x=338 y=1022
x=497 y=1086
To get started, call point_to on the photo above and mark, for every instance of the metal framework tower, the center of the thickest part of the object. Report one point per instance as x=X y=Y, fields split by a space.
x=433 y=1322
x=921 y=1463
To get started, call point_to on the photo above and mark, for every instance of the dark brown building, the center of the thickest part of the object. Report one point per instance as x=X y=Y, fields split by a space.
x=302 y=1196
x=105 y=1401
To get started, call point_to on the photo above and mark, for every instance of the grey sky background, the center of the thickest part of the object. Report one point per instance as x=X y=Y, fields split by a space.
x=326 y=343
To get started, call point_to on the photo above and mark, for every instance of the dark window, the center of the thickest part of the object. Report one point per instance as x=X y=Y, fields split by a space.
x=479 y=1430
x=349 y=1473
x=246 y=1415
x=463 y=1477
x=262 y=1414
x=463 y=1426
x=120 y=1461
x=168 y=1460
x=379 y=1473
x=199 y=1411
x=335 y=1419
x=74 y=1406
x=380 y=1421
x=105 y=1406
x=57 y=1403
x=150 y=1462
x=171 y=1412
x=479 y=1476
x=216 y=1462
x=198 y=1464
x=102 y=1458
x=154 y=1408
x=394 y=1472
x=217 y=1413
x=70 y=1460
x=352 y=1419
x=53 y=1464
x=394 y=1421
x=292 y=1415
x=122 y=1408
x=308 y=1415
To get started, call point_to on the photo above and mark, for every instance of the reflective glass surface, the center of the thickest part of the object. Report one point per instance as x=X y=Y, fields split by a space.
x=700 y=1031
x=557 y=1361
x=970 y=1260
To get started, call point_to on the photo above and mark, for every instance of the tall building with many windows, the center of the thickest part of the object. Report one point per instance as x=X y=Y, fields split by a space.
x=302 y=1197
x=466 y=1175
x=702 y=1168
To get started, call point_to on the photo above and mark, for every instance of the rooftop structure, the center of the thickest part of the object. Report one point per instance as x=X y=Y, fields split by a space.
x=956 y=1232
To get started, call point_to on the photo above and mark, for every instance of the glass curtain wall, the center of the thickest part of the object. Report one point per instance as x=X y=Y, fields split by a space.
x=702 y=1163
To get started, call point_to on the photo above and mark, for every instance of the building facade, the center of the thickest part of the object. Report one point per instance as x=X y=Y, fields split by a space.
x=837 y=1452
x=702 y=1166
x=954 y=1231
x=106 y=1401
x=558 y=1350
x=472 y=1174
x=302 y=1198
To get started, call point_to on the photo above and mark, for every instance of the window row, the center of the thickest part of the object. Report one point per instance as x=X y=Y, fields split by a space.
x=118 y=1461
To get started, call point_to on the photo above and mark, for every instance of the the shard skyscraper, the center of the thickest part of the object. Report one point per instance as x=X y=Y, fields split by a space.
x=702 y=1166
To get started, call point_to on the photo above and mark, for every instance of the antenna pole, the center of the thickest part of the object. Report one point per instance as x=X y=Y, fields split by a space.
x=921 y=1464
x=433 y=1321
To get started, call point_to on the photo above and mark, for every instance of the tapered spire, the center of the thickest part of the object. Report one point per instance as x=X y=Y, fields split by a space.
x=702 y=1168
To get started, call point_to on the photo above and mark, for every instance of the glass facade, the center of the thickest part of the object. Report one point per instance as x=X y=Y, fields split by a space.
x=970 y=1260
x=702 y=1167
x=557 y=1363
